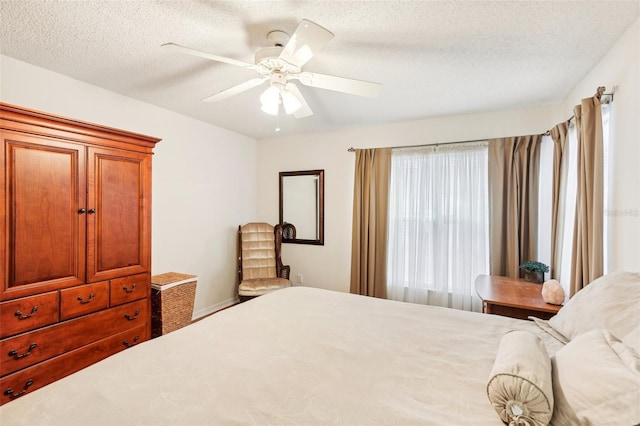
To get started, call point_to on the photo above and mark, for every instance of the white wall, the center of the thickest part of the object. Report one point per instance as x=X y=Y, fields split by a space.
x=328 y=266
x=202 y=187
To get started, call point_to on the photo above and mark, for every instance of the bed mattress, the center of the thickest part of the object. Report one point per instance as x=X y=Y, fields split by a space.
x=298 y=356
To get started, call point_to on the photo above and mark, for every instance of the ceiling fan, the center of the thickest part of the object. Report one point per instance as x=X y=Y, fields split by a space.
x=280 y=65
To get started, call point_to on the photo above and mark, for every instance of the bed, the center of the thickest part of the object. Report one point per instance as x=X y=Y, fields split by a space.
x=298 y=356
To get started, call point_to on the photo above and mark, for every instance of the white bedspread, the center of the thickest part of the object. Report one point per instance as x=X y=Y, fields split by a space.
x=299 y=356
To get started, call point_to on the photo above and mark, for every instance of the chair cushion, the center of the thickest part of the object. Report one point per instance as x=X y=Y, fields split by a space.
x=261 y=286
x=258 y=251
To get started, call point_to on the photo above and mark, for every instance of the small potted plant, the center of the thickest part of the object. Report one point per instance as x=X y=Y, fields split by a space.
x=533 y=271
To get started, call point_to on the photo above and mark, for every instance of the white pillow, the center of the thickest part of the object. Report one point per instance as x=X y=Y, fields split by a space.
x=596 y=381
x=519 y=386
x=611 y=302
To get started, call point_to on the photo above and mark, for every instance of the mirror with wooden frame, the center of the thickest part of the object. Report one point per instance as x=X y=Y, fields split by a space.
x=302 y=207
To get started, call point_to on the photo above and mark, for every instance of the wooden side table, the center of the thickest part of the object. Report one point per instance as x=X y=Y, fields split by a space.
x=513 y=297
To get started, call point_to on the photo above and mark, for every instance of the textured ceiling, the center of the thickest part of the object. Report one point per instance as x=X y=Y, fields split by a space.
x=433 y=58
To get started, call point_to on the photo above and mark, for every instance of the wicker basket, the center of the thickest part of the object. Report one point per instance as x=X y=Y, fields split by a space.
x=172 y=297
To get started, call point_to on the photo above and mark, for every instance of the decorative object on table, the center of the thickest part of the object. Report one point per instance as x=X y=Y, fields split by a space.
x=552 y=292
x=533 y=271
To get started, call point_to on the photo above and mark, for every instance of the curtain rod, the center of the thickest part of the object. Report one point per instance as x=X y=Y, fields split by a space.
x=607 y=101
x=547 y=133
x=352 y=149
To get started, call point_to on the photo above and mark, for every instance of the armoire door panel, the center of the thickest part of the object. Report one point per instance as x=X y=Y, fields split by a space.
x=117 y=188
x=44 y=190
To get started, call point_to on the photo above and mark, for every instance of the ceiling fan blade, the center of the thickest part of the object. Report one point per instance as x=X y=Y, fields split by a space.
x=181 y=49
x=305 y=110
x=340 y=84
x=235 y=90
x=307 y=40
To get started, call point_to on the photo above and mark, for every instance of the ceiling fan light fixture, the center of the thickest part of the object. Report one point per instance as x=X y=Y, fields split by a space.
x=270 y=100
x=271 y=96
x=271 y=109
x=274 y=95
x=290 y=102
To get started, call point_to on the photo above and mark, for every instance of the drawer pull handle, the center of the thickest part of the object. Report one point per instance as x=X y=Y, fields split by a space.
x=15 y=355
x=83 y=301
x=22 y=392
x=135 y=342
x=129 y=290
x=131 y=318
x=21 y=316
x=91 y=211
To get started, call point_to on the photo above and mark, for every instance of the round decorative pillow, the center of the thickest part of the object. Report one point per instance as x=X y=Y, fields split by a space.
x=520 y=387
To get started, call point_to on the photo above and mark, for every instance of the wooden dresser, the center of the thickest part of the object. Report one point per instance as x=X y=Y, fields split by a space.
x=75 y=258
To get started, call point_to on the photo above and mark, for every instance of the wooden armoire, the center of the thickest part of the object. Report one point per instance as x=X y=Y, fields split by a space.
x=75 y=258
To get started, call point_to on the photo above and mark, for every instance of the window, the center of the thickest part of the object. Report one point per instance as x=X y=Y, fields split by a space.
x=438 y=240
x=606 y=196
x=569 y=213
x=568 y=190
x=545 y=201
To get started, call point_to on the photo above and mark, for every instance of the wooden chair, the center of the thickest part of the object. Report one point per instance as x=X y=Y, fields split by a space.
x=260 y=268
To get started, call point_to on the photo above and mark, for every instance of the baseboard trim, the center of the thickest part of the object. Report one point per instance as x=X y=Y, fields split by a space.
x=200 y=313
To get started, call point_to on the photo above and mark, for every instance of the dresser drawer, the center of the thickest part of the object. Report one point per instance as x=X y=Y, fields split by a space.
x=30 y=348
x=37 y=376
x=84 y=299
x=28 y=313
x=128 y=289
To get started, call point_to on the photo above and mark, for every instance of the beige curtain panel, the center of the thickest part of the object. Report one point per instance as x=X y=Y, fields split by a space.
x=560 y=137
x=370 y=211
x=587 y=259
x=514 y=166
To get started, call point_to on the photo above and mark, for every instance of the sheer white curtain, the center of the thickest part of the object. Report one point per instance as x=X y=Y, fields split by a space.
x=569 y=212
x=438 y=240
x=545 y=202
x=607 y=137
